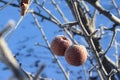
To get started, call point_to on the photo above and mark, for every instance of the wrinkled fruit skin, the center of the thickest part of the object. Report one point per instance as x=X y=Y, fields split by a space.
x=60 y=44
x=76 y=55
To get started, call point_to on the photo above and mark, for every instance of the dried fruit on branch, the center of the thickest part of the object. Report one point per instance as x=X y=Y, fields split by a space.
x=60 y=44
x=76 y=55
x=24 y=6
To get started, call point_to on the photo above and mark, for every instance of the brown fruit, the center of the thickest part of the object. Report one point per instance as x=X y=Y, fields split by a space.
x=24 y=6
x=76 y=55
x=24 y=9
x=59 y=44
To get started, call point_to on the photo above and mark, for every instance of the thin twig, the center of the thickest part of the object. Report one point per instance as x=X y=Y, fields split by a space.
x=39 y=44
x=113 y=38
x=7 y=58
x=47 y=11
x=103 y=11
x=116 y=7
x=8 y=3
x=12 y=4
x=18 y=22
x=76 y=12
x=59 y=10
x=113 y=71
x=46 y=40
x=66 y=20
x=116 y=52
x=8 y=28
x=85 y=7
x=38 y=72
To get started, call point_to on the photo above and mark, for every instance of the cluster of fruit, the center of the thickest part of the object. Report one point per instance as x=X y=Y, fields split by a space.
x=74 y=54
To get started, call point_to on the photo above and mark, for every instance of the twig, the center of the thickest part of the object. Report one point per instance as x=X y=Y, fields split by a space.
x=85 y=7
x=12 y=4
x=47 y=11
x=94 y=33
x=38 y=72
x=59 y=10
x=7 y=29
x=102 y=32
x=113 y=38
x=106 y=13
x=90 y=41
x=51 y=19
x=66 y=20
x=46 y=40
x=6 y=4
x=112 y=73
x=84 y=70
x=39 y=44
x=116 y=52
x=7 y=58
x=17 y=24
x=116 y=7
x=45 y=17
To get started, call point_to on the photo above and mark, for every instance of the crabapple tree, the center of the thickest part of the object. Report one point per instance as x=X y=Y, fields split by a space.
x=80 y=33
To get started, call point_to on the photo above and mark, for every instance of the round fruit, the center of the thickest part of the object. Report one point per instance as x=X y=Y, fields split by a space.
x=59 y=44
x=76 y=55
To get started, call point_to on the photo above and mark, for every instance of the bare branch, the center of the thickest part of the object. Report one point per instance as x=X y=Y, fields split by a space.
x=46 y=40
x=106 y=13
x=6 y=4
x=83 y=25
x=59 y=10
x=7 y=58
x=47 y=11
x=39 y=44
x=90 y=41
x=116 y=7
x=12 y=4
x=113 y=38
x=9 y=27
x=39 y=71
x=116 y=52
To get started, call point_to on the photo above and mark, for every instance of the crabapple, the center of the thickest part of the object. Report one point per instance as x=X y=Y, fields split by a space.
x=59 y=44
x=76 y=55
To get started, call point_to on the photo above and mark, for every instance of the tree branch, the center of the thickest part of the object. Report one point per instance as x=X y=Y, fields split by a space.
x=106 y=13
